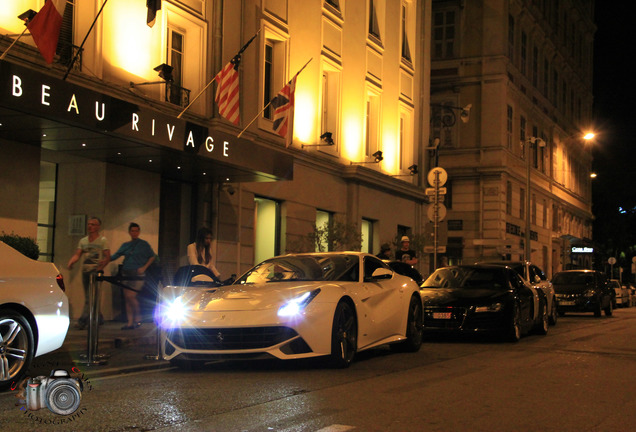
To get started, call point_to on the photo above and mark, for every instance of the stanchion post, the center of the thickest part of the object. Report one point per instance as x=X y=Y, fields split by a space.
x=92 y=358
x=156 y=356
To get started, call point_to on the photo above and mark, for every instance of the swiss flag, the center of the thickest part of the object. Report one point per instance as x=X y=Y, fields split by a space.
x=45 y=27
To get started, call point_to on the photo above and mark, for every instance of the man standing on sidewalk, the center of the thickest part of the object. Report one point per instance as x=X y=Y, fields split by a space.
x=97 y=253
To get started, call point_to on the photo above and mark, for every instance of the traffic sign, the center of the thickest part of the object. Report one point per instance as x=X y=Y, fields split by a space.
x=437 y=176
x=431 y=191
x=611 y=260
x=436 y=212
x=431 y=249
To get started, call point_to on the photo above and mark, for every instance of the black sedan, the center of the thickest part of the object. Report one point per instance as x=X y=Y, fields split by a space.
x=483 y=298
x=583 y=291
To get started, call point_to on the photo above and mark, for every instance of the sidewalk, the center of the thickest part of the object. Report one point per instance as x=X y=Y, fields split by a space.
x=126 y=351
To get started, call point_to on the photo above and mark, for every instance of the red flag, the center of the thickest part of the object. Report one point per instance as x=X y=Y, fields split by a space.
x=227 y=91
x=227 y=87
x=45 y=27
x=153 y=6
x=283 y=106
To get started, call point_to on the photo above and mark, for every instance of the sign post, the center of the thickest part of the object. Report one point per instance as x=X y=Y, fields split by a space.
x=437 y=211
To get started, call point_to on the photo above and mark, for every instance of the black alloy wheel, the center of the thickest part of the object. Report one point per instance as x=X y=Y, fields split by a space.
x=344 y=336
x=17 y=347
x=544 y=324
x=414 y=328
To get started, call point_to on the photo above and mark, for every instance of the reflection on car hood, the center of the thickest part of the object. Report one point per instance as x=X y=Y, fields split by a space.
x=245 y=297
x=460 y=297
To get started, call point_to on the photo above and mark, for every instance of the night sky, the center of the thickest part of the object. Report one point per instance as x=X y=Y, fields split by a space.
x=614 y=106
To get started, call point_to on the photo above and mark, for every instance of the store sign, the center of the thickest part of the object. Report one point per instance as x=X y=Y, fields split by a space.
x=582 y=249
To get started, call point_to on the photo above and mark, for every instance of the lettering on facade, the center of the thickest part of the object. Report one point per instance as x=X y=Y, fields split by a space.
x=139 y=123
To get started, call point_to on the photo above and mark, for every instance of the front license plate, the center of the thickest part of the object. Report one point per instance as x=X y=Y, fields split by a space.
x=441 y=315
x=566 y=303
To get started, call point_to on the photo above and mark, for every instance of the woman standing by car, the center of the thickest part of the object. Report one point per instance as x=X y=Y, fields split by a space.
x=199 y=252
x=138 y=255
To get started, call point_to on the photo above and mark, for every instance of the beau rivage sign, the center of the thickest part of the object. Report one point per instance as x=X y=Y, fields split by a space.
x=34 y=93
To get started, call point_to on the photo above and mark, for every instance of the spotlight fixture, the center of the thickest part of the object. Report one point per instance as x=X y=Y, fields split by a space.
x=325 y=137
x=412 y=171
x=377 y=158
x=165 y=73
x=27 y=16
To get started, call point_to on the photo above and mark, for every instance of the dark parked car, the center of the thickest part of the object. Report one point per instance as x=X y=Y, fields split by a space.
x=535 y=277
x=583 y=291
x=406 y=270
x=483 y=298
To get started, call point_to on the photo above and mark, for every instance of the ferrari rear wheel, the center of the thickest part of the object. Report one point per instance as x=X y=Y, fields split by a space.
x=414 y=328
x=17 y=347
x=344 y=336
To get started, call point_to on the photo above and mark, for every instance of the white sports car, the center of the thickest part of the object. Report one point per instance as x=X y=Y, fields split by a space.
x=290 y=307
x=33 y=312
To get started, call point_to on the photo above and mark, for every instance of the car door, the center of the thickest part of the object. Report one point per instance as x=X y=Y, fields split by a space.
x=528 y=298
x=380 y=310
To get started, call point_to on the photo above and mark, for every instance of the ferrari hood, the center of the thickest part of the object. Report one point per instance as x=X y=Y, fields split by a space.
x=459 y=297
x=244 y=297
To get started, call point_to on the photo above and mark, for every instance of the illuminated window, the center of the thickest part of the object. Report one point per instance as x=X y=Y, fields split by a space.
x=367 y=235
x=273 y=69
x=444 y=34
x=324 y=219
x=330 y=101
x=509 y=126
x=46 y=210
x=406 y=51
x=508 y=198
x=267 y=228
x=176 y=60
x=372 y=117
x=374 y=27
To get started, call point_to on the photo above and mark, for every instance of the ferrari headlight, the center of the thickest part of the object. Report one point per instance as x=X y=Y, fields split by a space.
x=296 y=305
x=495 y=307
x=173 y=312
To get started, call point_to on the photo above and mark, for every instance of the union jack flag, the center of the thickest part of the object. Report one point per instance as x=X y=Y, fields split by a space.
x=227 y=88
x=283 y=106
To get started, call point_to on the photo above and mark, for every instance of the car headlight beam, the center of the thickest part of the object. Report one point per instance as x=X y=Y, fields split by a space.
x=296 y=305
x=173 y=312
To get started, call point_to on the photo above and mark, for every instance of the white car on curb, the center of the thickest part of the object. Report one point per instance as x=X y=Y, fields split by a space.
x=623 y=293
x=294 y=306
x=33 y=312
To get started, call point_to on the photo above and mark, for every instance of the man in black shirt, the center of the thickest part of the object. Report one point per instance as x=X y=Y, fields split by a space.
x=405 y=254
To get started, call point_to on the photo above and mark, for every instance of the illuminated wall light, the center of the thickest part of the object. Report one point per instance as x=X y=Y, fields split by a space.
x=178 y=167
x=150 y=160
x=128 y=39
x=83 y=144
x=305 y=115
x=352 y=139
x=9 y=13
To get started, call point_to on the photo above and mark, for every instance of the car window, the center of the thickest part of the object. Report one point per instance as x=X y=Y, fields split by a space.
x=538 y=272
x=327 y=267
x=574 y=278
x=371 y=264
x=467 y=278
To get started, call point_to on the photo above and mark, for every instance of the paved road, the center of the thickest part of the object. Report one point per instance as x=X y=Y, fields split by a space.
x=577 y=378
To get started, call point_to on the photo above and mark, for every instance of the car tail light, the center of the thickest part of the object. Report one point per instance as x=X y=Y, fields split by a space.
x=60 y=282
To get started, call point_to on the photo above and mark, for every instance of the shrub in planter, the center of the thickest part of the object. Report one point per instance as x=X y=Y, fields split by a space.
x=26 y=245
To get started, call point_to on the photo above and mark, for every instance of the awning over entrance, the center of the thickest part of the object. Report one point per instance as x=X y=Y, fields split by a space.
x=45 y=111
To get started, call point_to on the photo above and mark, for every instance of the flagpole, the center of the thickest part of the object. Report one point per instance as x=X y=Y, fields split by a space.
x=212 y=80
x=265 y=107
x=4 y=54
x=70 y=66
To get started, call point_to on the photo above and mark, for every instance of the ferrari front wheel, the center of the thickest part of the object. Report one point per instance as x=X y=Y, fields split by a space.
x=344 y=336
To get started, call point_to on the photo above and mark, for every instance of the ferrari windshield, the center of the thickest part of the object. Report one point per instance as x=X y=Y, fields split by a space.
x=467 y=278
x=573 y=278
x=328 y=267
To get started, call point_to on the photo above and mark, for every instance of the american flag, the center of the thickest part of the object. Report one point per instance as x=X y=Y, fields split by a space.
x=227 y=87
x=283 y=106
